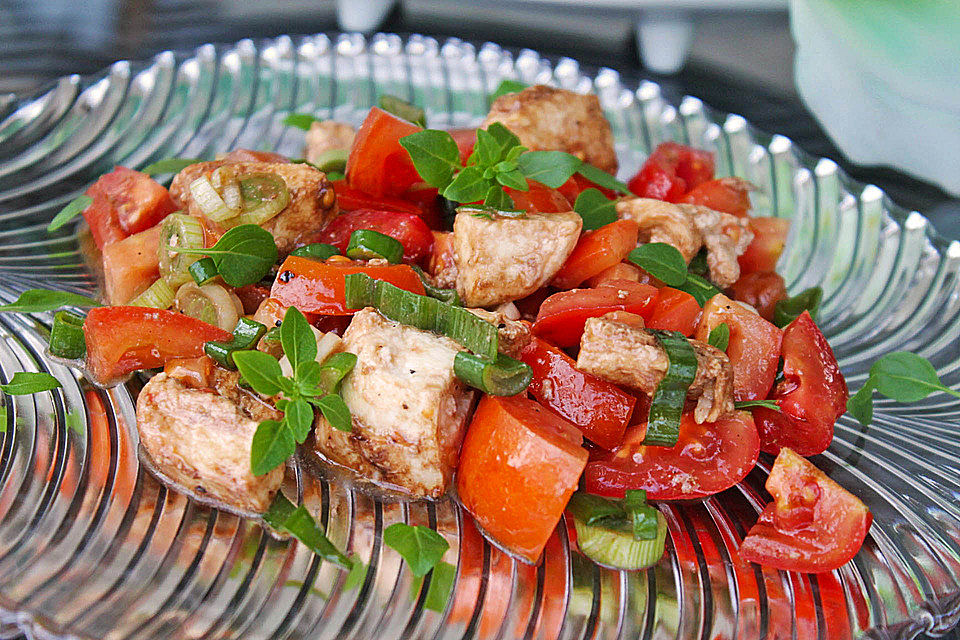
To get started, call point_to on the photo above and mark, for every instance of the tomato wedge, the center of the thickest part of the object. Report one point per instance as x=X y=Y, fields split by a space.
x=600 y=409
x=671 y=171
x=408 y=229
x=465 y=139
x=619 y=271
x=597 y=251
x=813 y=525
x=812 y=395
x=769 y=239
x=577 y=184
x=762 y=290
x=121 y=340
x=125 y=202
x=675 y=310
x=707 y=459
x=377 y=164
x=318 y=287
x=519 y=464
x=729 y=195
x=350 y=199
x=131 y=265
x=754 y=347
x=539 y=199
x=562 y=315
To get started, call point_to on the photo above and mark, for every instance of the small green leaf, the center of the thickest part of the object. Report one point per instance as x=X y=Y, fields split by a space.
x=595 y=209
x=662 y=261
x=300 y=120
x=551 y=168
x=507 y=86
x=74 y=208
x=486 y=151
x=75 y=421
x=305 y=529
x=906 y=377
x=309 y=375
x=701 y=289
x=753 y=404
x=296 y=336
x=435 y=155
x=403 y=109
x=357 y=574
x=786 y=311
x=299 y=416
x=602 y=178
x=498 y=199
x=169 y=165
x=333 y=176
x=336 y=411
x=698 y=266
x=504 y=137
x=513 y=179
x=25 y=383
x=272 y=444
x=860 y=404
x=243 y=255
x=421 y=547
x=719 y=336
x=260 y=370
x=468 y=186
x=37 y=300
x=3 y=419
x=441 y=585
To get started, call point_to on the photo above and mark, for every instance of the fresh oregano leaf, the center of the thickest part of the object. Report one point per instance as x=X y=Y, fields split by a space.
x=299 y=416
x=272 y=444
x=507 y=86
x=513 y=179
x=169 y=165
x=497 y=198
x=753 y=404
x=357 y=574
x=486 y=151
x=468 y=186
x=504 y=137
x=550 y=168
x=300 y=120
x=601 y=178
x=73 y=208
x=720 y=336
x=25 y=383
x=662 y=261
x=243 y=255
x=420 y=546
x=435 y=155
x=297 y=338
x=595 y=209
x=700 y=288
x=441 y=585
x=336 y=411
x=786 y=311
x=403 y=109
x=260 y=370
x=37 y=300
x=906 y=377
x=860 y=404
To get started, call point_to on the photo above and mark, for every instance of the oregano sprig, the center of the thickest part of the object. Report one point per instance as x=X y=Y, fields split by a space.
x=665 y=263
x=901 y=376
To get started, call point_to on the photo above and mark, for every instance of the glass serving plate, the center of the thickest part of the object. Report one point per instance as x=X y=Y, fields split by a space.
x=92 y=547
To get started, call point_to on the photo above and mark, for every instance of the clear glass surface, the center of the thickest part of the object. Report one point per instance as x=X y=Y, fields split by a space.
x=92 y=547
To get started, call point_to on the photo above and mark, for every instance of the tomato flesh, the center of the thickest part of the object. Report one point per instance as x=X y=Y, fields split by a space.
x=465 y=139
x=408 y=229
x=519 y=464
x=812 y=395
x=318 y=287
x=671 y=171
x=762 y=290
x=597 y=251
x=729 y=195
x=562 y=316
x=600 y=409
x=131 y=265
x=753 y=349
x=707 y=459
x=121 y=340
x=675 y=310
x=538 y=199
x=138 y=201
x=769 y=239
x=377 y=164
x=813 y=525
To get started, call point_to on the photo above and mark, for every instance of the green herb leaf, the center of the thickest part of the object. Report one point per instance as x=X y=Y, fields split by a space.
x=698 y=266
x=300 y=120
x=504 y=137
x=662 y=261
x=700 y=288
x=260 y=370
x=296 y=336
x=4 y=418
x=336 y=411
x=357 y=574
x=441 y=585
x=308 y=379
x=753 y=404
x=421 y=547
x=435 y=155
x=487 y=151
x=305 y=529
x=906 y=377
x=551 y=168
x=37 y=300
x=786 y=311
x=643 y=517
x=299 y=416
x=74 y=208
x=719 y=336
x=403 y=109
x=513 y=179
x=595 y=209
x=333 y=176
x=272 y=444
x=25 y=383
x=602 y=178
x=169 y=165
x=497 y=198
x=507 y=86
x=244 y=254
x=468 y=186
x=860 y=404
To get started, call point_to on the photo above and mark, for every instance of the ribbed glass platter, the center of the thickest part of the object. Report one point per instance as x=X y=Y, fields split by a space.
x=92 y=547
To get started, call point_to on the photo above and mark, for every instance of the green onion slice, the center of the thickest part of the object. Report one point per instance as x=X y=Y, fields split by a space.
x=211 y=303
x=625 y=534
x=203 y=271
x=450 y=296
x=297 y=521
x=246 y=334
x=503 y=377
x=178 y=231
x=332 y=160
x=423 y=312
x=403 y=109
x=264 y=195
x=366 y=244
x=66 y=336
x=159 y=295
x=211 y=203
x=663 y=423
x=316 y=251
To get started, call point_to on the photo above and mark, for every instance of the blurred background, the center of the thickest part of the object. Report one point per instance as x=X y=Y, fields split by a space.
x=735 y=55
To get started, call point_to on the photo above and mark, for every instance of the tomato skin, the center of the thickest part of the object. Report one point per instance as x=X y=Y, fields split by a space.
x=121 y=340
x=539 y=199
x=125 y=202
x=350 y=199
x=465 y=139
x=675 y=310
x=671 y=171
x=619 y=271
x=812 y=395
x=519 y=464
x=377 y=164
x=769 y=239
x=577 y=184
x=408 y=229
x=562 y=316
x=813 y=525
x=762 y=290
x=707 y=459
x=600 y=409
x=596 y=251
x=131 y=265
x=729 y=195
x=754 y=347
x=318 y=287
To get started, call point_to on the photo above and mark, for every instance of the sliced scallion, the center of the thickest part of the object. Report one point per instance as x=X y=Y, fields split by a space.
x=211 y=303
x=210 y=203
x=663 y=423
x=178 y=231
x=614 y=545
x=66 y=336
x=316 y=251
x=335 y=369
x=159 y=295
x=203 y=271
x=332 y=160
x=246 y=334
x=403 y=109
x=423 y=312
x=264 y=195
x=450 y=296
x=366 y=244
x=503 y=377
